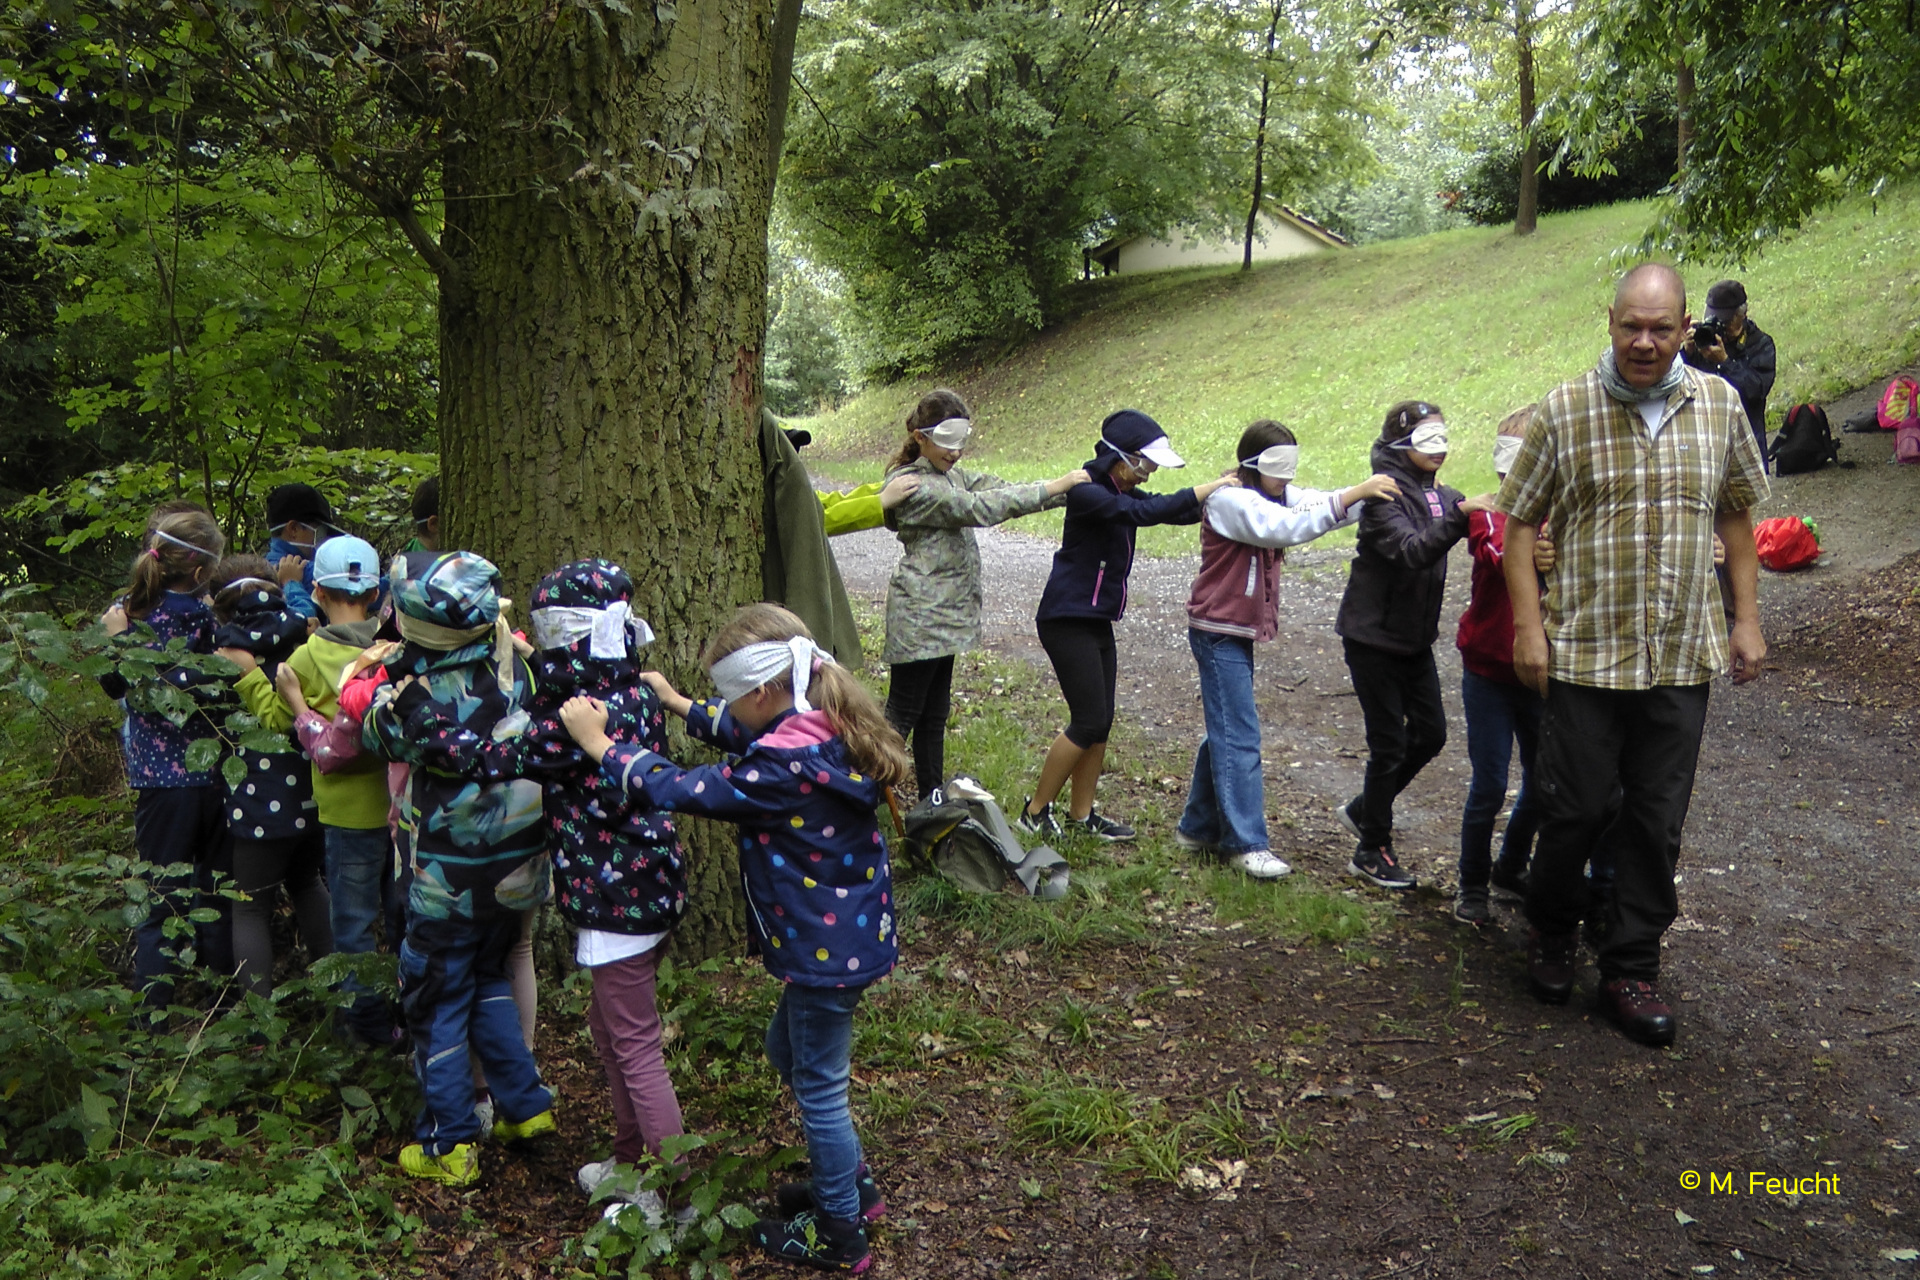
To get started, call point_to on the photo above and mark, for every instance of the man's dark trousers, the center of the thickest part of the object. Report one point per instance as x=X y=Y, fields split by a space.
x=1648 y=741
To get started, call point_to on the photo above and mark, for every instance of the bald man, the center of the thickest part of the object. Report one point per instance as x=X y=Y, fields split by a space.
x=1638 y=463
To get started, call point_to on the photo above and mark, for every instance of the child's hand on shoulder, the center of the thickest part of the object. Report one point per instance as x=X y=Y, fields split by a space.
x=1479 y=502
x=1376 y=488
x=286 y=682
x=670 y=698
x=115 y=620
x=586 y=723
x=239 y=658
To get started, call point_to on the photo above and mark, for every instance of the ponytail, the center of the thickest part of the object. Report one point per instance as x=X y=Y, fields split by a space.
x=872 y=744
x=934 y=408
x=182 y=547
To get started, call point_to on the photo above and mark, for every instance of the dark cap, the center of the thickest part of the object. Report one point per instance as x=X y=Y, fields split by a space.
x=1130 y=430
x=798 y=437
x=1725 y=298
x=300 y=502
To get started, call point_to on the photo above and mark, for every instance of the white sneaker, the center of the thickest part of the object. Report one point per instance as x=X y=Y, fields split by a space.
x=1260 y=864
x=483 y=1109
x=653 y=1211
x=592 y=1175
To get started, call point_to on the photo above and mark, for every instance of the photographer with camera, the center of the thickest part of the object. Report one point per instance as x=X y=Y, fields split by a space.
x=1729 y=344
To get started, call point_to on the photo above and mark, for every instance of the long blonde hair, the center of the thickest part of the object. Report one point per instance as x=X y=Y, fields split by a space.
x=182 y=547
x=872 y=744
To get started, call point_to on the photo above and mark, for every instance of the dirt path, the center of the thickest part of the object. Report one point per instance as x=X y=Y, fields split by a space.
x=1793 y=967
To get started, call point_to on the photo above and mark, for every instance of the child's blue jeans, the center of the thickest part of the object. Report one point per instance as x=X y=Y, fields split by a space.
x=356 y=864
x=457 y=998
x=1227 y=802
x=1498 y=715
x=810 y=1042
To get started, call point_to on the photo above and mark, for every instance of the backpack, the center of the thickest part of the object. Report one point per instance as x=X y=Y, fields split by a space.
x=1901 y=391
x=1786 y=543
x=1804 y=442
x=964 y=835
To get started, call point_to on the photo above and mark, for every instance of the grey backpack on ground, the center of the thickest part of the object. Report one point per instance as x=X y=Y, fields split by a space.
x=961 y=831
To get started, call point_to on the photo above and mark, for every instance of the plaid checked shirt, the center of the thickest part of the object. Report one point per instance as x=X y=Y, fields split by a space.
x=1632 y=602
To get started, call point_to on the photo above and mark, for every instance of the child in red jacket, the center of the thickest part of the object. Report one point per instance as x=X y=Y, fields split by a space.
x=1500 y=710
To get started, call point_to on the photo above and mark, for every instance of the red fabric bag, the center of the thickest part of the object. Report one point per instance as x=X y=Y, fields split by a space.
x=1786 y=543
x=1899 y=404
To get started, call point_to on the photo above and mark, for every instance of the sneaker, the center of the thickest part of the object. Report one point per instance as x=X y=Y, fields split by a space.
x=1189 y=843
x=1470 y=907
x=459 y=1167
x=1260 y=864
x=483 y=1112
x=523 y=1130
x=1550 y=965
x=795 y=1198
x=1509 y=884
x=817 y=1240
x=592 y=1175
x=653 y=1209
x=1038 y=824
x=1345 y=814
x=1101 y=827
x=1637 y=1009
x=1378 y=866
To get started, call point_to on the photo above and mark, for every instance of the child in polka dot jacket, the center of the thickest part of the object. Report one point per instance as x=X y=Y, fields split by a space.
x=271 y=813
x=803 y=787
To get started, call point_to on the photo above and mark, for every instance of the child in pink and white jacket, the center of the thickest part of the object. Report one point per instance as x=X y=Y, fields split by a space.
x=1244 y=534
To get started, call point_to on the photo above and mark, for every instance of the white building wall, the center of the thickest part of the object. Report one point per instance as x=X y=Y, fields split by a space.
x=1275 y=240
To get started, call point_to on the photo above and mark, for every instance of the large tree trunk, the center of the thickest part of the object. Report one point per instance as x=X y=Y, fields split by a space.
x=602 y=326
x=1527 y=216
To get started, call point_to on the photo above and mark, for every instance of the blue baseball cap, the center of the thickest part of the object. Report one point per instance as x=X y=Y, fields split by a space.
x=346 y=564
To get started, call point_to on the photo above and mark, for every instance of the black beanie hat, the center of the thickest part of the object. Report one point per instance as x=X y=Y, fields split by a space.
x=300 y=502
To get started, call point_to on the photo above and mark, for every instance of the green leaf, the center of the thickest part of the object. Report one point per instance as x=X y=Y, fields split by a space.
x=356 y=1097
x=202 y=754
x=234 y=770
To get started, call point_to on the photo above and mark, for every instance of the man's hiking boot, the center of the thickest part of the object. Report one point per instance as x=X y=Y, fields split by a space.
x=794 y=1198
x=459 y=1167
x=1550 y=960
x=1637 y=1009
x=816 y=1240
x=1378 y=867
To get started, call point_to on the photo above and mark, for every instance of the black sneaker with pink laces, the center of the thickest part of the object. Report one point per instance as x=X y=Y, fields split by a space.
x=1379 y=867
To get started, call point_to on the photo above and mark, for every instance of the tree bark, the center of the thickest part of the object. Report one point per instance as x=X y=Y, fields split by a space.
x=606 y=212
x=1527 y=215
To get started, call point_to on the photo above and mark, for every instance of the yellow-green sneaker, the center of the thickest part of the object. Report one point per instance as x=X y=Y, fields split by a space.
x=459 y=1167
x=531 y=1127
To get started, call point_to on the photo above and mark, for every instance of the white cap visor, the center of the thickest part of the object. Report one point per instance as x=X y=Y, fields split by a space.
x=1281 y=461
x=1160 y=453
x=950 y=433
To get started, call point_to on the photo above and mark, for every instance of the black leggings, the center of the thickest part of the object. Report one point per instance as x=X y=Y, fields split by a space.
x=1406 y=728
x=261 y=868
x=918 y=699
x=1086 y=664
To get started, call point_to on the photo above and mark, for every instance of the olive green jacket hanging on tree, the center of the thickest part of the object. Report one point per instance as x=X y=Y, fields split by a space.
x=797 y=568
x=934 y=598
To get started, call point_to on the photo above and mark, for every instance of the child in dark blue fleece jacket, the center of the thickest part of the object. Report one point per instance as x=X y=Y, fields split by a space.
x=803 y=788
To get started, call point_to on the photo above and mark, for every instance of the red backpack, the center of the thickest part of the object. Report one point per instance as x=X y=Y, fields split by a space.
x=1899 y=412
x=1786 y=543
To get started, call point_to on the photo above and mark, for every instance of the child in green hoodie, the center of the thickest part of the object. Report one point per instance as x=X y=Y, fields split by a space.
x=351 y=792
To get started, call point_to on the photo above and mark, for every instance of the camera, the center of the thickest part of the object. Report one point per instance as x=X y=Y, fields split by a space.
x=1708 y=332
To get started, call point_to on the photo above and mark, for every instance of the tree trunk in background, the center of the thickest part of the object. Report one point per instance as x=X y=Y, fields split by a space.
x=1260 y=140
x=606 y=216
x=1683 y=111
x=1527 y=216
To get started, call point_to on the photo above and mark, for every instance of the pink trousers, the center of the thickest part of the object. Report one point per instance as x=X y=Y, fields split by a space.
x=628 y=1034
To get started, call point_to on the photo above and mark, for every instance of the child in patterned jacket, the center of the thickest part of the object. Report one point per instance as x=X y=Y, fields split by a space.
x=479 y=859
x=620 y=877
x=803 y=788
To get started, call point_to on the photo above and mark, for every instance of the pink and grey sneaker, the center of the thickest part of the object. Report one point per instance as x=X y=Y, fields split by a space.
x=797 y=1197
x=816 y=1240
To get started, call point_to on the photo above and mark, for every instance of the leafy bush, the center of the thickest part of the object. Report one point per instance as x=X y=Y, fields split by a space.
x=1489 y=189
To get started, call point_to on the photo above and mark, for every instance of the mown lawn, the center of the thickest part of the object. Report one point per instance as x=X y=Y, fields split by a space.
x=1475 y=320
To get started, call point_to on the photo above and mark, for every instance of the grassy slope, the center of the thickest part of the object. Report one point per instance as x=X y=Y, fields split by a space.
x=1476 y=320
